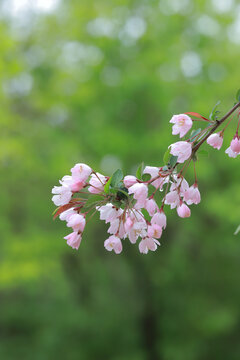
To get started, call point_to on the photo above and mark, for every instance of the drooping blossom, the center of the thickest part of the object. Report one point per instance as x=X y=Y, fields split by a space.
x=160 y=219
x=129 y=180
x=192 y=195
x=62 y=195
x=97 y=183
x=182 y=124
x=77 y=222
x=113 y=243
x=109 y=212
x=74 y=239
x=235 y=144
x=181 y=149
x=154 y=231
x=81 y=172
x=151 y=206
x=183 y=211
x=147 y=244
x=154 y=172
x=140 y=193
x=172 y=199
x=215 y=140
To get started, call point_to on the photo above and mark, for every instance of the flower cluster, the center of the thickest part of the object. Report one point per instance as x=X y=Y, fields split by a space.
x=129 y=204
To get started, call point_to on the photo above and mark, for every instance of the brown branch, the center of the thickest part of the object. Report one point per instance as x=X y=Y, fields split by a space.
x=218 y=123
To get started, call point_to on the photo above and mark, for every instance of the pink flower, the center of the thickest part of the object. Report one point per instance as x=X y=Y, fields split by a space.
x=65 y=215
x=154 y=231
x=109 y=212
x=160 y=219
x=129 y=180
x=62 y=195
x=235 y=145
x=215 y=140
x=151 y=206
x=231 y=153
x=80 y=172
x=192 y=195
x=140 y=193
x=172 y=199
x=113 y=243
x=183 y=211
x=77 y=222
x=181 y=149
x=97 y=183
x=182 y=124
x=148 y=244
x=154 y=172
x=75 y=185
x=74 y=240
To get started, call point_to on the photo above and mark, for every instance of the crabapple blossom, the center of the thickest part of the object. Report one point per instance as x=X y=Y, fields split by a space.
x=151 y=206
x=192 y=195
x=235 y=145
x=183 y=210
x=160 y=219
x=132 y=206
x=129 y=180
x=113 y=243
x=109 y=212
x=74 y=239
x=77 y=222
x=154 y=231
x=81 y=172
x=62 y=195
x=97 y=183
x=140 y=193
x=181 y=149
x=148 y=244
x=215 y=140
x=182 y=124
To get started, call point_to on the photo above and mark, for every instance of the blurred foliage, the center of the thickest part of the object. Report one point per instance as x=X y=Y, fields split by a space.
x=97 y=82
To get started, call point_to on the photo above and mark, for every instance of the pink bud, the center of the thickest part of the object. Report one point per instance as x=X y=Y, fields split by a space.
x=235 y=145
x=74 y=240
x=215 y=140
x=129 y=180
x=183 y=211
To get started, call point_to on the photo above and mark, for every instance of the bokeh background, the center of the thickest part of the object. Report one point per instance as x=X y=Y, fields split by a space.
x=97 y=82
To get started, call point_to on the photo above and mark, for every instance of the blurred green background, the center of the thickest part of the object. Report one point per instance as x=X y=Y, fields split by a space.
x=97 y=82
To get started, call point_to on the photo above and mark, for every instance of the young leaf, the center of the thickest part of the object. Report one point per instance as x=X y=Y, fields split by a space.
x=139 y=171
x=196 y=115
x=173 y=161
x=107 y=185
x=214 y=114
x=116 y=178
x=146 y=177
x=165 y=168
x=195 y=133
x=166 y=156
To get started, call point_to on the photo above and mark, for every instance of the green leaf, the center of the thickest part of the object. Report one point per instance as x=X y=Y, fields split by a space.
x=116 y=178
x=146 y=177
x=165 y=168
x=238 y=95
x=122 y=193
x=139 y=171
x=214 y=113
x=203 y=153
x=173 y=161
x=166 y=156
x=195 y=133
x=107 y=185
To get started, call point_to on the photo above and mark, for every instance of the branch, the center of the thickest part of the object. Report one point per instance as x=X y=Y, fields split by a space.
x=218 y=123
